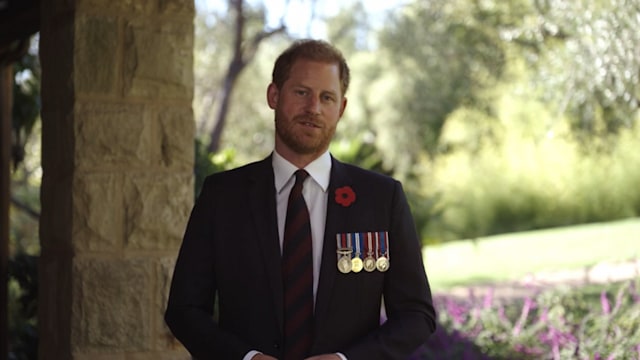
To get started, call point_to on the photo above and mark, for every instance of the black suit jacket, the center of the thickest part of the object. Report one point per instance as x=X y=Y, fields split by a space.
x=231 y=248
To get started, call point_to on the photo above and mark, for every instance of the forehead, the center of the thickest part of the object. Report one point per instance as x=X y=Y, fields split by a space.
x=315 y=74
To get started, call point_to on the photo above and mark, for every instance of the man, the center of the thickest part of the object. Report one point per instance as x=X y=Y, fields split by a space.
x=301 y=261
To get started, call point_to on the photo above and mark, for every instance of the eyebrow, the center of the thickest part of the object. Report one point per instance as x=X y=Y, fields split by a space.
x=322 y=91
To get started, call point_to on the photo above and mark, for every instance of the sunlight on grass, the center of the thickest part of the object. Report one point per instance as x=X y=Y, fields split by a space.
x=512 y=256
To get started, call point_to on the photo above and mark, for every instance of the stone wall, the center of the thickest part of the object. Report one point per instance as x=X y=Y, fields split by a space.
x=117 y=186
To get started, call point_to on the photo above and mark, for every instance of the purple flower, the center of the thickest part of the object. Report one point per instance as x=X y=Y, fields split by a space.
x=456 y=311
x=606 y=308
x=488 y=299
x=528 y=305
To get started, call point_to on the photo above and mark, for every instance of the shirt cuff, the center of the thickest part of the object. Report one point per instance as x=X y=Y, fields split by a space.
x=341 y=355
x=253 y=353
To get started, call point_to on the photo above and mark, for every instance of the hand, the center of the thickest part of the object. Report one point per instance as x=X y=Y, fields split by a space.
x=263 y=357
x=325 y=357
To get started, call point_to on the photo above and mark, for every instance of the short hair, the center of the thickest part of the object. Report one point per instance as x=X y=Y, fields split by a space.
x=314 y=50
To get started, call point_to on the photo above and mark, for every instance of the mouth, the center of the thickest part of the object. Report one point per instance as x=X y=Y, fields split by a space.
x=309 y=123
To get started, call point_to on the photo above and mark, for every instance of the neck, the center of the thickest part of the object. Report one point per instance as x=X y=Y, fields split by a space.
x=299 y=160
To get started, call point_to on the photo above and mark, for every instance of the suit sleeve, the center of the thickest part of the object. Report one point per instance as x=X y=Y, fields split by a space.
x=189 y=312
x=411 y=316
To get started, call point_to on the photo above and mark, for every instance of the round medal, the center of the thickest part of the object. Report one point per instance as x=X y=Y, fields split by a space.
x=344 y=265
x=369 y=264
x=356 y=264
x=382 y=264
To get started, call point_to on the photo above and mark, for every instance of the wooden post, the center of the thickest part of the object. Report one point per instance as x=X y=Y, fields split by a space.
x=6 y=101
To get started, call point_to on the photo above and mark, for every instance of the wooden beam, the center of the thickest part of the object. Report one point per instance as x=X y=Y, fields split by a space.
x=6 y=101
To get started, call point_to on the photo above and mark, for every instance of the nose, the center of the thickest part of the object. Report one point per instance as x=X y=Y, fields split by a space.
x=313 y=105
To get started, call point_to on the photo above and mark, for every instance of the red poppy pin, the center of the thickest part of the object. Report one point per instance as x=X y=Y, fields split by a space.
x=345 y=196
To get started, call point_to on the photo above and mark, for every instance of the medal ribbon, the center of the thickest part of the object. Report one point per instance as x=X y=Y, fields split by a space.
x=341 y=243
x=384 y=243
x=356 y=244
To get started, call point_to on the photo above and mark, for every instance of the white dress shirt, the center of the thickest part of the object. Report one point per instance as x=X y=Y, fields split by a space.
x=314 y=191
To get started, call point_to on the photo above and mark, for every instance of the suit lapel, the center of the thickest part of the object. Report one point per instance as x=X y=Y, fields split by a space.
x=337 y=217
x=263 y=210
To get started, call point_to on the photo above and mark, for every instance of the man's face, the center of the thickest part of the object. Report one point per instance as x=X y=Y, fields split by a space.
x=307 y=108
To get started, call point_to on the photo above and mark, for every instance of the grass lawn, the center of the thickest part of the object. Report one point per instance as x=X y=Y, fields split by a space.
x=512 y=256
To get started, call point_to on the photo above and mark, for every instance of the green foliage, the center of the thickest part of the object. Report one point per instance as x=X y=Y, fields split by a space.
x=530 y=176
x=587 y=61
x=361 y=153
x=24 y=246
x=349 y=29
x=497 y=116
x=207 y=164
x=26 y=101
x=23 y=302
x=444 y=56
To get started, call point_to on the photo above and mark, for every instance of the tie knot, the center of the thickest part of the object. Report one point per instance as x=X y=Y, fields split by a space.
x=301 y=175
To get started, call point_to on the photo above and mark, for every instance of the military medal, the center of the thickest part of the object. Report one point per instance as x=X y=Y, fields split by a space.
x=344 y=252
x=369 y=262
x=344 y=263
x=382 y=264
x=356 y=261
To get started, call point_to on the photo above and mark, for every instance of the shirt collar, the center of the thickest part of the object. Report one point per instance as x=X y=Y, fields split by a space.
x=319 y=170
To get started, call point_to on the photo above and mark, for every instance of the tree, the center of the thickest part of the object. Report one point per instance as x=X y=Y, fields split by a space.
x=435 y=57
x=587 y=57
x=244 y=48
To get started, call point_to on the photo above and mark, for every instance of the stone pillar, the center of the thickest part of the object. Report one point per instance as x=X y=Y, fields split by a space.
x=117 y=187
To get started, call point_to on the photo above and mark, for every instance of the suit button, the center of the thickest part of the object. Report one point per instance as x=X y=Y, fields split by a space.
x=276 y=346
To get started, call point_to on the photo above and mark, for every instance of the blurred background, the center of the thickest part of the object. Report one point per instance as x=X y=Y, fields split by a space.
x=511 y=123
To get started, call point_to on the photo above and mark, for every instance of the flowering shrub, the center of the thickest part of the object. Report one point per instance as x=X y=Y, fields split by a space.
x=586 y=323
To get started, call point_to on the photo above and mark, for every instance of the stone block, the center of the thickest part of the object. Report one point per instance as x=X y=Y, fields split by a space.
x=157 y=208
x=98 y=216
x=111 y=136
x=163 y=337
x=177 y=133
x=125 y=7
x=177 y=7
x=159 y=59
x=99 y=356
x=111 y=305
x=95 y=55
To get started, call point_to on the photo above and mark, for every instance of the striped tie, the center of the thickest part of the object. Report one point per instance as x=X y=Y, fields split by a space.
x=297 y=275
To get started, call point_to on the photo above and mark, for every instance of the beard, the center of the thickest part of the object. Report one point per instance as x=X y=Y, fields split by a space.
x=297 y=139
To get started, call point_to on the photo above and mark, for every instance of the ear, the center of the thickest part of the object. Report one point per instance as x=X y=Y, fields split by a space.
x=272 y=95
x=343 y=106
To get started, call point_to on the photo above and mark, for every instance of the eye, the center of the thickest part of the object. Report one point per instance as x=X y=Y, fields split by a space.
x=328 y=98
x=300 y=92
